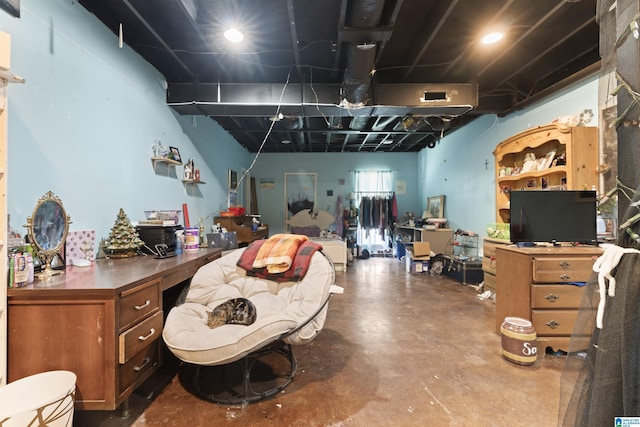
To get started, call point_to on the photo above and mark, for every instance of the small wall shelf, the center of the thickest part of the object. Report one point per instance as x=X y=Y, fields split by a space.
x=192 y=181
x=11 y=78
x=166 y=160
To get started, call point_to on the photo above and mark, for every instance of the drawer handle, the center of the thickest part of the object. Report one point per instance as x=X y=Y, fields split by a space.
x=140 y=307
x=565 y=264
x=552 y=297
x=565 y=277
x=145 y=362
x=552 y=324
x=152 y=331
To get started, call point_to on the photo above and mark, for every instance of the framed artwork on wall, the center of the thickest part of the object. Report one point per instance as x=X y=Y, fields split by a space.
x=299 y=193
x=435 y=206
x=232 y=199
x=233 y=179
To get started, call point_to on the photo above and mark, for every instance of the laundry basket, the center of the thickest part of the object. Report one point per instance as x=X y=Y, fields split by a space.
x=44 y=399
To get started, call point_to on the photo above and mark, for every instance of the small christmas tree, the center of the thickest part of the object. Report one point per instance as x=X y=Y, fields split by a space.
x=123 y=241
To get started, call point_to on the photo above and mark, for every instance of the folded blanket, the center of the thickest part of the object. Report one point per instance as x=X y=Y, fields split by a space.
x=298 y=268
x=277 y=252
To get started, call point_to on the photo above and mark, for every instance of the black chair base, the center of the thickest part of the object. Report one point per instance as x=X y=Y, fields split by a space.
x=257 y=376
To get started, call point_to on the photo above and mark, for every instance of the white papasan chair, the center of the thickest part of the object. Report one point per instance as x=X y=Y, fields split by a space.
x=237 y=363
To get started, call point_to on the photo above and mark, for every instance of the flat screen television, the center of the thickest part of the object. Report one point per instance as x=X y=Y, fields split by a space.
x=553 y=217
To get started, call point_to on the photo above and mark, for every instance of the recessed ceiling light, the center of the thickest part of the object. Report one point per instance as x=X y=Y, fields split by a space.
x=492 y=38
x=286 y=141
x=234 y=35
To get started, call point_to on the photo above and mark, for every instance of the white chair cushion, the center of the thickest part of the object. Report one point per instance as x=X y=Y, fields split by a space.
x=280 y=306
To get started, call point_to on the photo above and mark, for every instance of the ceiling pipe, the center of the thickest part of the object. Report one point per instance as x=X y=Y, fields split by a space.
x=361 y=56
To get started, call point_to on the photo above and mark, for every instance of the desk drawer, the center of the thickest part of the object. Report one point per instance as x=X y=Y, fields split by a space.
x=553 y=322
x=562 y=269
x=140 y=336
x=138 y=303
x=139 y=367
x=180 y=275
x=556 y=296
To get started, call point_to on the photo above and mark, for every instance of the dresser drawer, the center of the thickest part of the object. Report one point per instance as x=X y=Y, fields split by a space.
x=139 y=367
x=565 y=269
x=140 y=336
x=138 y=303
x=489 y=281
x=489 y=265
x=553 y=322
x=556 y=296
x=489 y=247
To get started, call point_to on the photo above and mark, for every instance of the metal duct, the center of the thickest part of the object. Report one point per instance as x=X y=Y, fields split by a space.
x=361 y=57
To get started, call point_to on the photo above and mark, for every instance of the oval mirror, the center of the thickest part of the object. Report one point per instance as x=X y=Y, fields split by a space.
x=48 y=227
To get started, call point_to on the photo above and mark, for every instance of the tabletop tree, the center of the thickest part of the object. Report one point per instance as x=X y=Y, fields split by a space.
x=123 y=240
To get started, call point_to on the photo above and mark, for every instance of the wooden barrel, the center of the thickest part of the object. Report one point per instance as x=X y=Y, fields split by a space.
x=518 y=341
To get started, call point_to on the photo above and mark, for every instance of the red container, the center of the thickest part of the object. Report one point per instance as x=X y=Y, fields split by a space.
x=237 y=210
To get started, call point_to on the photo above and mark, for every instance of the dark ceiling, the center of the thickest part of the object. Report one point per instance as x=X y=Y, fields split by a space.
x=355 y=75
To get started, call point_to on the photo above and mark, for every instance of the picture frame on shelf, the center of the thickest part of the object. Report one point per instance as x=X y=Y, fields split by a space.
x=175 y=154
x=435 y=206
x=548 y=160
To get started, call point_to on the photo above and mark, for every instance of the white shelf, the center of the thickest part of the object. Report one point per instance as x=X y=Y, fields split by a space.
x=192 y=181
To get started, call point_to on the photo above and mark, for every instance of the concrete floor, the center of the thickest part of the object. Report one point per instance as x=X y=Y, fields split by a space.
x=397 y=349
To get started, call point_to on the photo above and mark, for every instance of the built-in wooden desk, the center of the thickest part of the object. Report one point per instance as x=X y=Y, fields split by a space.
x=102 y=322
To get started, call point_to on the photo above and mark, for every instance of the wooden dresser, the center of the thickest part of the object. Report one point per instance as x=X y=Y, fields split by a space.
x=489 y=246
x=536 y=284
x=242 y=226
x=102 y=322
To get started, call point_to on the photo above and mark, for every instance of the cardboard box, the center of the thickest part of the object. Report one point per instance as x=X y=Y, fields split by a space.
x=421 y=250
x=417 y=257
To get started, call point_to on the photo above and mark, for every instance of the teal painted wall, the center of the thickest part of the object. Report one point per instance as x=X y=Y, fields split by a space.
x=330 y=169
x=84 y=123
x=462 y=165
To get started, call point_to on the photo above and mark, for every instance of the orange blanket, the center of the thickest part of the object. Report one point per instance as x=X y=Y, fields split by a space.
x=278 y=252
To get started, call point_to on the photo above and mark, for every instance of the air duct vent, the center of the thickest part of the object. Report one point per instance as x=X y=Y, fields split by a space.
x=434 y=96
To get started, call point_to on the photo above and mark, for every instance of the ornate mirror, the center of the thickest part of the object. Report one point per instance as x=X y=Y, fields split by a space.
x=48 y=227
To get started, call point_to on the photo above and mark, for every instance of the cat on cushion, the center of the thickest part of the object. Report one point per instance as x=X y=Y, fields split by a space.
x=236 y=311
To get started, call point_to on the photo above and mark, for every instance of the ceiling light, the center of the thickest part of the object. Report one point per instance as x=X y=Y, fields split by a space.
x=286 y=141
x=234 y=35
x=492 y=38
